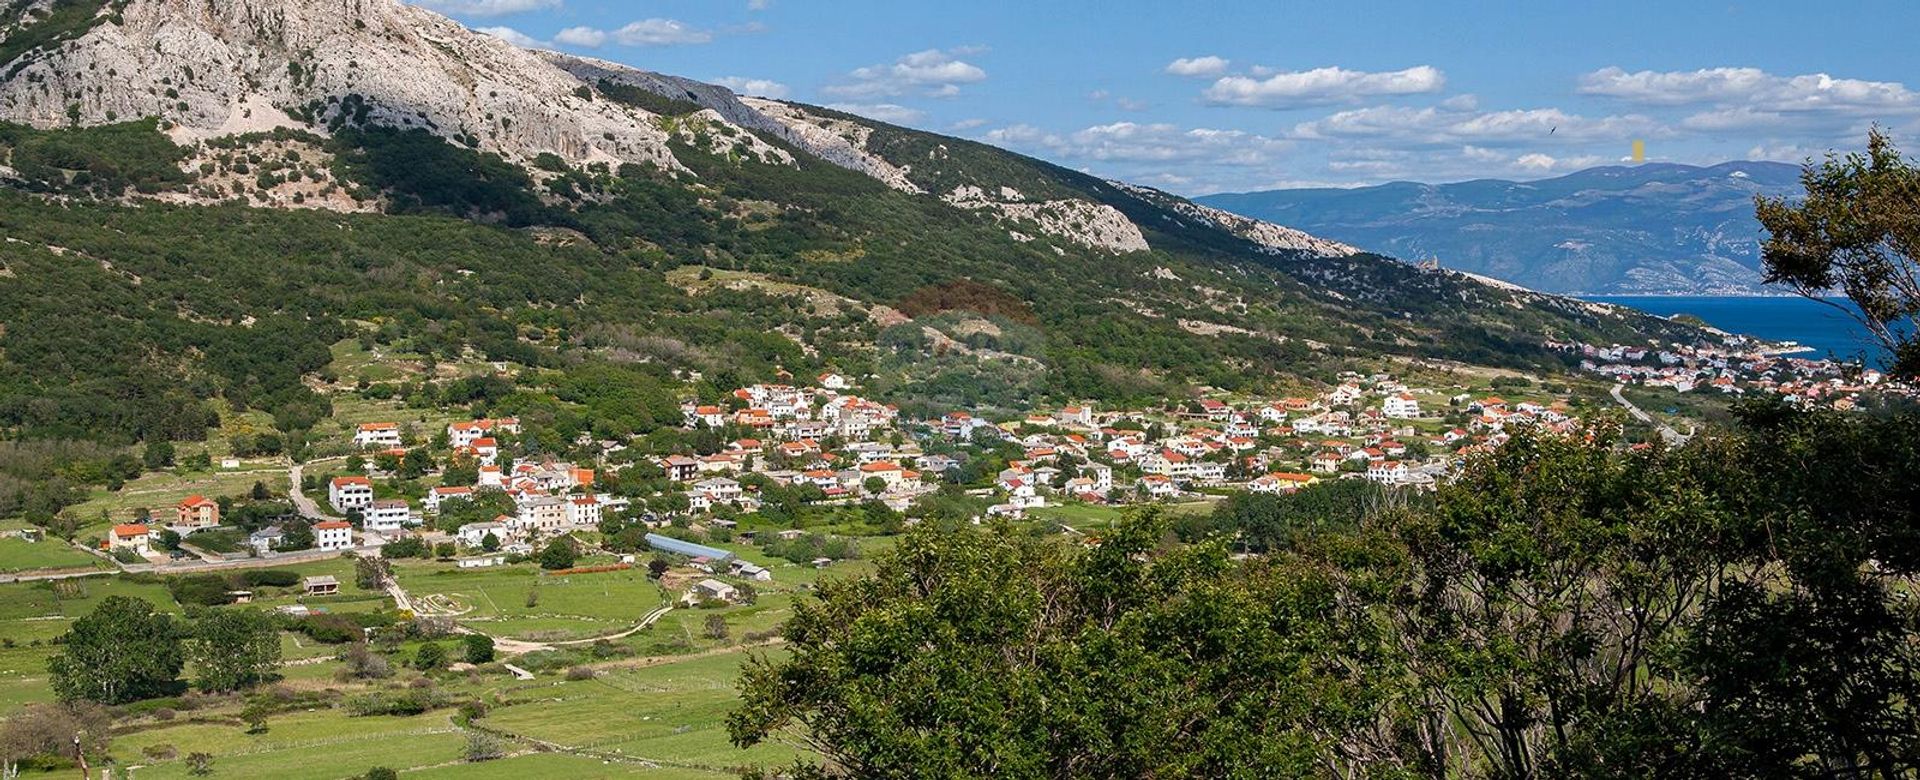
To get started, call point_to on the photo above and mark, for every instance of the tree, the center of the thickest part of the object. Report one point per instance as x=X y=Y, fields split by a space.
x=122 y=651
x=380 y=773
x=657 y=567
x=372 y=573
x=52 y=730
x=987 y=652
x=716 y=627
x=199 y=764
x=157 y=455
x=558 y=554
x=479 y=648
x=874 y=485
x=489 y=543
x=233 y=649
x=1856 y=230
x=429 y=657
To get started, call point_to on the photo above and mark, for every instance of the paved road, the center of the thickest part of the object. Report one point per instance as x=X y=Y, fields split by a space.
x=1673 y=437
x=305 y=506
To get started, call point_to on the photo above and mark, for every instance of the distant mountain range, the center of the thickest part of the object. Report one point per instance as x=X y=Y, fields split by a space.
x=1656 y=228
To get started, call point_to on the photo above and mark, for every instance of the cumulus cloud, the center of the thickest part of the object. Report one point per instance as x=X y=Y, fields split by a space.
x=486 y=7
x=1731 y=99
x=747 y=86
x=587 y=37
x=932 y=73
x=1321 y=86
x=1207 y=66
x=1443 y=125
x=646 y=32
x=885 y=112
x=510 y=35
x=1146 y=142
x=1751 y=87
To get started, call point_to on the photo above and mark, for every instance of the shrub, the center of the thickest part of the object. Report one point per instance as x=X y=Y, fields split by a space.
x=579 y=673
x=482 y=746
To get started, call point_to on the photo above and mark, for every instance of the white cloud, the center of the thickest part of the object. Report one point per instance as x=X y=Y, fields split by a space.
x=660 y=32
x=885 y=112
x=1207 y=66
x=1747 y=87
x=1147 y=142
x=933 y=73
x=587 y=37
x=760 y=87
x=1321 y=86
x=510 y=35
x=646 y=32
x=969 y=123
x=1441 y=125
x=486 y=7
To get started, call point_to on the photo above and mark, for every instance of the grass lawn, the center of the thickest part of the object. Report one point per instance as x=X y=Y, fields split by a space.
x=18 y=555
x=575 y=606
x=559 y=765
x=321 y=745
x=669 y=713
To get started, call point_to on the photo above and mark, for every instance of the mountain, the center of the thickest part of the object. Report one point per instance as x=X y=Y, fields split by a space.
x=1653 y=228
x=203 y=194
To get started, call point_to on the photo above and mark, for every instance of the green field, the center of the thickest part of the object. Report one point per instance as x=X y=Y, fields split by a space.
x=160 y=490
x=495 y=600
x=17 y=555
x=670 y=713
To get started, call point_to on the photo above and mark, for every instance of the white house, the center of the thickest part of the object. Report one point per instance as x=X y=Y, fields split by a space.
x=377 y=434
x=1400 y=407
x=390 y=514
x=332 y=535
x=1390 y=472
x=445 y=493
x=350 y=493
x=583 y=512
x=474 y=534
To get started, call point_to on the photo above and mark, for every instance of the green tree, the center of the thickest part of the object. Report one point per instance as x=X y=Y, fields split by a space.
x=122 y=651
x=233 y=649
x=1856 y=230
x=479 y=648
x=489 y=543
x=157 y=455
x=429 y=657
x=974 y=653
x=558 y=554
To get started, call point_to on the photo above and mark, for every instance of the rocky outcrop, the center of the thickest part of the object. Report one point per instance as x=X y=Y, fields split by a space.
x=210 y=68
x=1265 y=236
x=1090 y=224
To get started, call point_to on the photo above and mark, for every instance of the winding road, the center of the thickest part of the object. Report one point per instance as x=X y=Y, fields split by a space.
x=1674 y=438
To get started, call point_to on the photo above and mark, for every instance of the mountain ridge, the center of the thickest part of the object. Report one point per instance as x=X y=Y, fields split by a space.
x=1133 y=293
x=1653 y=228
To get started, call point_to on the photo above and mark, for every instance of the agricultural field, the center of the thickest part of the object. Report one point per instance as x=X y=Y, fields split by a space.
x=158 y=491
x=18 y=555
x=522 y=603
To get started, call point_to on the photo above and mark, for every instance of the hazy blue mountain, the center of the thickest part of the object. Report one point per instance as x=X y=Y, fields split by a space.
x=1652 y=228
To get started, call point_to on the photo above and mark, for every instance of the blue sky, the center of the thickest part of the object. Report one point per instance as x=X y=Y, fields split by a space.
x=1201 y=97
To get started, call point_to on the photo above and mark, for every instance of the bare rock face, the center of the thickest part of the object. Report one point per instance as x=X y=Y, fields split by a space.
x=1090 y=224
x=1269 y=237
x=216 y=67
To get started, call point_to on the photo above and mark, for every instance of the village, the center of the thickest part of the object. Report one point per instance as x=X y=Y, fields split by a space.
x=1740 y=367
x=824 y=446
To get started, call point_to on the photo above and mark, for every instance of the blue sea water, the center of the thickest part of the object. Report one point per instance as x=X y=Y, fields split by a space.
x=1811 y=323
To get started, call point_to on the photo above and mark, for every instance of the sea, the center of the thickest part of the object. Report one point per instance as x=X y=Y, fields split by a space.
x=1827 y=331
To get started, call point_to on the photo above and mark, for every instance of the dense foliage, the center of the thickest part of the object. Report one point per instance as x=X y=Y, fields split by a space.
x=1738 y=607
